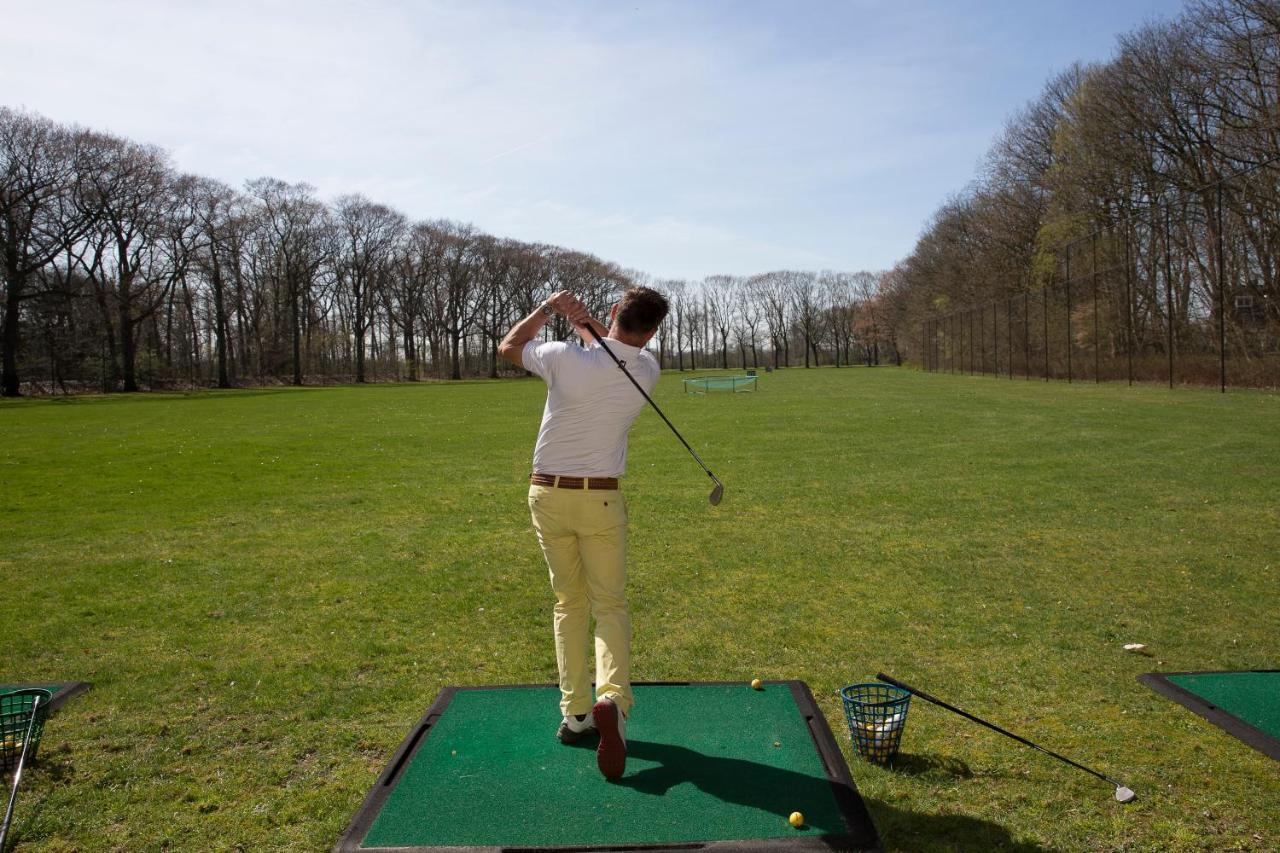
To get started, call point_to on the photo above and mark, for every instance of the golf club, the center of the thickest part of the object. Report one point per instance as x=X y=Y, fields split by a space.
x=17 y=773
x=716 y=493
x=1123 y=794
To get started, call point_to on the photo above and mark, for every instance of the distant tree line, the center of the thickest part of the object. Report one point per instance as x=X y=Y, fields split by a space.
x=1130 y=214
x=119 y=272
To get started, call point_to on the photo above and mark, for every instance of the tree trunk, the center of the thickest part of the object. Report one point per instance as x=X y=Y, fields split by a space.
x=12 y=337
x=411 y=350
x=359 y=327
x=297 y=339
x=128 y=350
x=220 y=330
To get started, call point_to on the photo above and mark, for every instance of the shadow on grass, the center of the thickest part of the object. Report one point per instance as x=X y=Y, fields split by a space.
x=948 y=766
x=901 y=829
x=776 y=790
x=29 y=805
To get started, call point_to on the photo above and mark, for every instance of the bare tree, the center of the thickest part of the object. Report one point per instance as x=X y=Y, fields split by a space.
x=749 y=311
x=294 y=234
x=139 y=247
x=452 y=306
x=836 y=290
x=866 y=287
x=717 y=296
x=43 y=209
x=367 y=236
x=771 y=289
x=216 y=206
x=802 y=292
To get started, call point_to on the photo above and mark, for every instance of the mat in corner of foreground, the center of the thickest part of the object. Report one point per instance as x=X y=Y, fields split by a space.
x=1243 y=703
x=61 y=690
x=710 y=766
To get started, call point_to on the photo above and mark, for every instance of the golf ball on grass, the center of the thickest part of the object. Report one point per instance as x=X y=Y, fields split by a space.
x=757 y=684
x=796 y=819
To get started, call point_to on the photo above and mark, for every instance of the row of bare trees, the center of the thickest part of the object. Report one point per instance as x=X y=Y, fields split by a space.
x=779 y=318
x=120 y=272
x=1137 y=203
x=116 y=263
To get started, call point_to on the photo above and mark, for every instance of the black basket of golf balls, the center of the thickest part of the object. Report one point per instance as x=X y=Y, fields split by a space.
x=15 y=722
x=876 y=714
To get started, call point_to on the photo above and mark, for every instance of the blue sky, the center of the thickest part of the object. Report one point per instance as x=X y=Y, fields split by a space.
x=682 y=139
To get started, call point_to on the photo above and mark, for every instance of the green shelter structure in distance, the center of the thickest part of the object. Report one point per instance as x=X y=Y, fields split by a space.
x=732 y=384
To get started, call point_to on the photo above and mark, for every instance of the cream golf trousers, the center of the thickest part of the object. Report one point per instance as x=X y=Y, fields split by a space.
x=583 y=533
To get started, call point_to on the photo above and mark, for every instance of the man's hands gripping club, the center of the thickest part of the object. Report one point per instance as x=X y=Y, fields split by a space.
x=575 y=311
x=563 y=303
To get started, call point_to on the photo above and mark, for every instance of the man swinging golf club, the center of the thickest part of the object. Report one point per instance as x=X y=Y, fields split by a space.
x=578 y=509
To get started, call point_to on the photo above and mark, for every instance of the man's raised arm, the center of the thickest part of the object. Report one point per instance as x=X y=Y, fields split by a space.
x=563 y=302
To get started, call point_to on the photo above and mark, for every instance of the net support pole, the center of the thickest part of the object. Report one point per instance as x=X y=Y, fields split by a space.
x=1097 y=358
x=1222 y=298
x=1168 y=286
x=1068 y=285
x=1044 y=294
x=995 y=339
x=1128 y=298
x=1008 y=316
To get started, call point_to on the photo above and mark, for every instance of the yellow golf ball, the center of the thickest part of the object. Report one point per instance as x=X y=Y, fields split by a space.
x=796 y=819
x=757 y=684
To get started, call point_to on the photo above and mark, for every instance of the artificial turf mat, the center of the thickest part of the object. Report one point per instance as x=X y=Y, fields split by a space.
x=1245 y=704
x=706 y=763
x=61 y=690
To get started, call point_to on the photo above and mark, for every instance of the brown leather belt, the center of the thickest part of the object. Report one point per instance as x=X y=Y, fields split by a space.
x=563 y=482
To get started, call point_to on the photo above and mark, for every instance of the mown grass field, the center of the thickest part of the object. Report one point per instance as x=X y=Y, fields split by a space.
x=267 y=589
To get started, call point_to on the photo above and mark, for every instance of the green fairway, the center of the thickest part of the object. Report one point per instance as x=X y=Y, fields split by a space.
x=268 y=588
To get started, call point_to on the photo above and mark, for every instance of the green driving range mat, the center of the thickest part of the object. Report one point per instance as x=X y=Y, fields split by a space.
x=61 y=690
x=709 y=766
x=1244 y=704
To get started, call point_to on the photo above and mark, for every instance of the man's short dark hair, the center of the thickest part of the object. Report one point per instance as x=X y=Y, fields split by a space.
x=641 y=310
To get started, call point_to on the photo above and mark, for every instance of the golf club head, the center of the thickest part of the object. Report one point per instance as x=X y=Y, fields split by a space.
x=717 y=493
x=1124 y=795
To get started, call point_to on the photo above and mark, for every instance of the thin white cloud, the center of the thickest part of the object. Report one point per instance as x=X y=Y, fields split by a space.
x=515 y=150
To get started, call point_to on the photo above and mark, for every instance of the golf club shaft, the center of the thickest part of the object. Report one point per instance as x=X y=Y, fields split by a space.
x=623 y=367
x=17 y=774
x=925 y=696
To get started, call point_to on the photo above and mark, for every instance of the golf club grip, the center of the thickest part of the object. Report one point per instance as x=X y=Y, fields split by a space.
x=887 y=679
x=649 y=399
x=952 y=708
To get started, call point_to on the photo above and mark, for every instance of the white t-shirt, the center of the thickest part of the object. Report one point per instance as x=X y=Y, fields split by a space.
x=590 y=405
